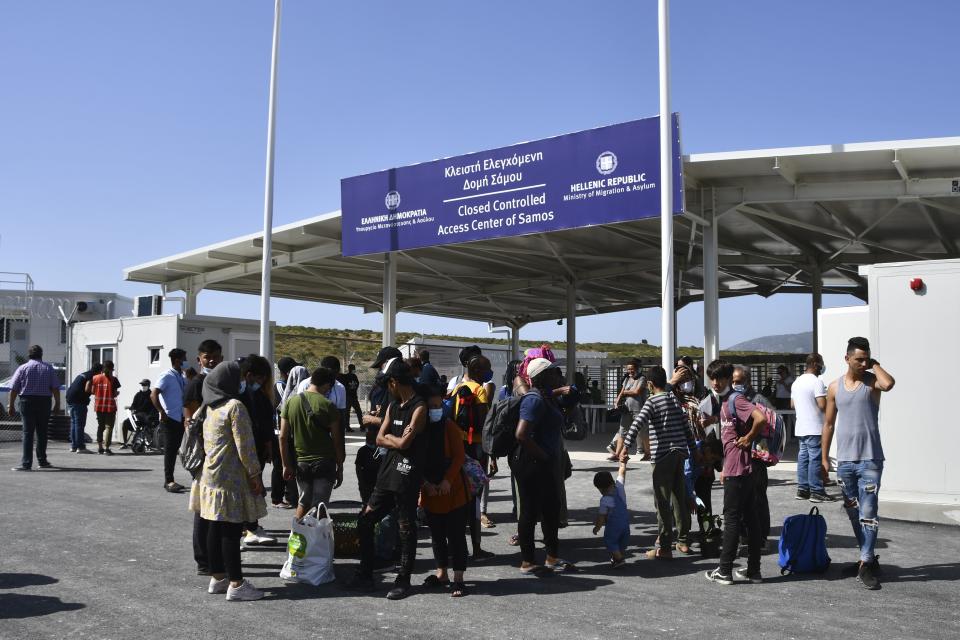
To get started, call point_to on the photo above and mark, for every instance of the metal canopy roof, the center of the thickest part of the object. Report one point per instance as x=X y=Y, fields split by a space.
x=783 y=216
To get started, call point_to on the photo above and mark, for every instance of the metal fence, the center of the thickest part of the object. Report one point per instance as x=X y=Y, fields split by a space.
x=310 y=350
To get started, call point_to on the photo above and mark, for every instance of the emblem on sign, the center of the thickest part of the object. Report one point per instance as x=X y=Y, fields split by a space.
x=607 y=162
x=392 y=200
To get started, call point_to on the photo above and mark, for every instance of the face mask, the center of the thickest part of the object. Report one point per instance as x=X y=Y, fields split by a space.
x=255 y=386
x=740 y=387
x=243 y=386
x=488 y=376
x=687 y=387
x=145 y=388
x=436 y=415
x=823 y=369
x=722 y=392
x=206 y=370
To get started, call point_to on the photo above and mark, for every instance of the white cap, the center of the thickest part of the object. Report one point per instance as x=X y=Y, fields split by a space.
x=537 y=366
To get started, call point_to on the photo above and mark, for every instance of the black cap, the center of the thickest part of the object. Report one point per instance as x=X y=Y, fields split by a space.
x=286 y=364
x=387 y=353
x=145 y=381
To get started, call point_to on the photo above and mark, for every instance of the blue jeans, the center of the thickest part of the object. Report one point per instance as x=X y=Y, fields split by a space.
x=808 y=465
x=78 y=422
x=860 y=481
x=35 y=414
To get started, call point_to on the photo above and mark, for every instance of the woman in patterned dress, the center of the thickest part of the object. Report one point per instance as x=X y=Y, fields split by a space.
x=228 y=491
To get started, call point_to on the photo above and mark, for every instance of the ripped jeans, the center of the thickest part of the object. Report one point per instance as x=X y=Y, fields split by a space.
x=860 y=481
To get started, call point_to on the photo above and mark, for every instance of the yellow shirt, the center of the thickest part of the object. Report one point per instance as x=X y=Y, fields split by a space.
x=480 y=392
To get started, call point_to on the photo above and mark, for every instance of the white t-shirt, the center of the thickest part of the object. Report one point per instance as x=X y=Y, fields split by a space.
x=337 y=395
x=806 y=389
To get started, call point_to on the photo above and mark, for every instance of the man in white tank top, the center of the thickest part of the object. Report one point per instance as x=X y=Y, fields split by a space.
x=853 y=405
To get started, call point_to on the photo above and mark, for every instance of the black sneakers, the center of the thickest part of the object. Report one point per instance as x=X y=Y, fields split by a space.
x=803 y=494
x=821 y=497
x=867 y=576
x=401 y=589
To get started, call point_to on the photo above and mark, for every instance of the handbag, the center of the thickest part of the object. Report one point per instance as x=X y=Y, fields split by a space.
x=310 y=549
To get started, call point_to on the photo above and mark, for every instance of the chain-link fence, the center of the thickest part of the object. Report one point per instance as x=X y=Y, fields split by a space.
x=309 y=350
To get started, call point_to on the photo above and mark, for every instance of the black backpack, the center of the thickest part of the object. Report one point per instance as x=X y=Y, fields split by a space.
x=471 y=414
x=500 y=427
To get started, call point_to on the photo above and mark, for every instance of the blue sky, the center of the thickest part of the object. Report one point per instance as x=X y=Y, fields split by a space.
x=135 y=130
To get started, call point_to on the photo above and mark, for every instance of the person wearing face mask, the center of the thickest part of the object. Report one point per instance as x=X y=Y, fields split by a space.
x=209 y=355
x=256 y=393
x=740 y=424
x=227 y=492
x=444 y=496
x=398 y=480
x=167 y=398
x=741 y=384
x=471 y=404
x=808 y=397
x=142 y=409
x=535 y=468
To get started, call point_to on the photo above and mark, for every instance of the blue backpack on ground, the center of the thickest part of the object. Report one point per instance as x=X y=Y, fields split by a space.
x=803 y=544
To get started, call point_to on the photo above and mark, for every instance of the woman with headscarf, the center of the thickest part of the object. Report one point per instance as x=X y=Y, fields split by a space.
x=228 y=491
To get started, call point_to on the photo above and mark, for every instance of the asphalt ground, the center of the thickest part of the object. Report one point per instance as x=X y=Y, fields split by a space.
x=96 y=549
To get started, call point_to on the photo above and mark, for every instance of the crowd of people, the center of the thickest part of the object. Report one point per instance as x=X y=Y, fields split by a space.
x=424 y=442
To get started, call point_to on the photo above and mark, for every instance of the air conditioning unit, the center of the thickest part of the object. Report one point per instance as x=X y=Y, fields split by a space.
x=148 y=306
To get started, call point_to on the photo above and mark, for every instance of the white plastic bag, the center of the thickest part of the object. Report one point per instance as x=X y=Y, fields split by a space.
x=310 y=549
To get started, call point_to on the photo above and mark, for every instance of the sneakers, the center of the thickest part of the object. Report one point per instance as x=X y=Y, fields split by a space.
x=218 y=586
x=173 y=487
x=803 y=494
x=401 y=589
x=719 y=578
x=821 y=497
x=246 y=592
x=20 y=468
x=258 y=537
x=616 y=563
x=752 y=578
x=44 y=465
x=867 y=576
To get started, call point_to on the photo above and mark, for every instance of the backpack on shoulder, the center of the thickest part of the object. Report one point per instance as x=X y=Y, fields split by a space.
x=499 y=437
x=769 y=445
x=803 y=544
x=470 y=413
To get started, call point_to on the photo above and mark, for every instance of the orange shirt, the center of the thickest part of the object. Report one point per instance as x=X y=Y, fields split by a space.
x=452 y=449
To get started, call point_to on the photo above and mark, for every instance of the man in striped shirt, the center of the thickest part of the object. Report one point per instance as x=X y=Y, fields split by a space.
x=670 y=443
x=34 y=382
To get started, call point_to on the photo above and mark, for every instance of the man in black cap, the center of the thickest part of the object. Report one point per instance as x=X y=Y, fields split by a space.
x=142 y=409
x=379 y=397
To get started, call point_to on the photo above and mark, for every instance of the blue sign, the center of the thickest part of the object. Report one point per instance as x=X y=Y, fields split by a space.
x=594 y=177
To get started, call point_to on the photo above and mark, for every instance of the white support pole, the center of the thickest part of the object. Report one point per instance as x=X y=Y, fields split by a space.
x=389 y=299
x=515 y=341
x=817 y=281
x=668 y=309
x=571 y=330
x=190 y=305
x=266 y=346
x=711 y=294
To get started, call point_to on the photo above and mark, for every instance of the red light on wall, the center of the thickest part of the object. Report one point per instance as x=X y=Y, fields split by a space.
x=917 y=284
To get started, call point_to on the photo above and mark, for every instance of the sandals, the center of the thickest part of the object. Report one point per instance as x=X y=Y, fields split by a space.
x=659 y=554
x=486 y=522
x=514 y=540
x=459 y=590
x=560 y=565
x=433 y=582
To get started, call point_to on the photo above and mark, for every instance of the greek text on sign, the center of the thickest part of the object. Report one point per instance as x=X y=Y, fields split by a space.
x=599 y=176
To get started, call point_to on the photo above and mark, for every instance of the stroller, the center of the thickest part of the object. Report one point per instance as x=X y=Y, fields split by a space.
x=147 y=435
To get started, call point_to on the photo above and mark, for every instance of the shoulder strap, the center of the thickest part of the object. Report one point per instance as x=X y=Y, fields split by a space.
x=305 y=404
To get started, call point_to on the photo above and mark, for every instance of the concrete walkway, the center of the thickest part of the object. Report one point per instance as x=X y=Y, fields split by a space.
x=96 y=549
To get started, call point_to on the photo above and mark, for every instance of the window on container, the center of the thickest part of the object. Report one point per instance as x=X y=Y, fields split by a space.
x=155 y=354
